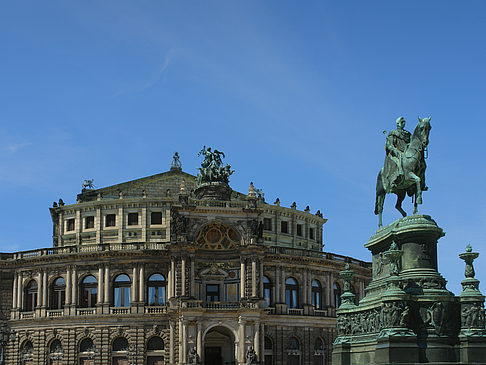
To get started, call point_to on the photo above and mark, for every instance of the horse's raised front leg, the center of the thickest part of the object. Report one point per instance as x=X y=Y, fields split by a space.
x=398 y=205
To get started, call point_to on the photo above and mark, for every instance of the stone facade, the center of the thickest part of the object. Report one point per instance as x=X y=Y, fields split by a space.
x=144 y=273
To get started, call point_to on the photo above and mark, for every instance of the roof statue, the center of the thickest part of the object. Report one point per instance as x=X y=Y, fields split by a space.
x=212 y=169
x=404 y=168
x=88 y=184
x=176 y=162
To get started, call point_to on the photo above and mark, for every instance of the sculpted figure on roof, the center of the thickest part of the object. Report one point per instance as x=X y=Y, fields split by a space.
x=212 y=169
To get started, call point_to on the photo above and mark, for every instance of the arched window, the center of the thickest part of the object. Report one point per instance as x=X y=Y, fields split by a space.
x=267 y=291
x=316 y=294
x=89 y=292
x=268 y=348
x=156 y=290
x=87 y=352
x=58 y=293
x=337 y=295
x=56 y=353
x=155 y=351
x=27 y=353
x=319 y=352
x=121 y=291
x=293 y=351
x=119 y=351
x=291 y=293
x=30 y=296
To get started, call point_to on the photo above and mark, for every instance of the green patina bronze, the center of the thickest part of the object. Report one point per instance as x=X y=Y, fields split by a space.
x=212 y=169
x=407 y=316
x=403 y=172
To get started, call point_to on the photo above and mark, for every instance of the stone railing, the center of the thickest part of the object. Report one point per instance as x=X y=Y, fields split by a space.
x=131 y=246
x=155 y=309
x=321 y=255
x=85 y=311
x=27 y=315
x=53 y=313
x=269 y=310
x=295 y=311
x=218 y=203
x=119 y=310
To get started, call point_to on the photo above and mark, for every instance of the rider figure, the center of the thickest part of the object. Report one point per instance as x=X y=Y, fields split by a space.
x=396 y=142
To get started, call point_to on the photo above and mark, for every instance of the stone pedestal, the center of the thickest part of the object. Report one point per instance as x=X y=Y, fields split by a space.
x=408 y=316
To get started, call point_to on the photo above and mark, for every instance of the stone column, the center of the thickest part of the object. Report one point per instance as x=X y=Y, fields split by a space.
x=14 y=294
x=100 y=286
x=242 y=278
x=253 y=277
x=173 y=276
x=261 y=279
x=141 y=285
x=276 y=294
x=192 y=279
x=44 y=289
x=20 y=291
x=39 y=289
x=171 y=342
x=241 y=344
x=134 y=296
x=169 y=284
x=256 y=340
x=282 y=288
x=107 y=285
x=183 y=276
x=68 y=286
x=184 y=341
x=74 y=288
x=199 y=340
x=181 y=350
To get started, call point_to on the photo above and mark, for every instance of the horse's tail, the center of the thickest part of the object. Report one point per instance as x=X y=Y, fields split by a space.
x=379 y=192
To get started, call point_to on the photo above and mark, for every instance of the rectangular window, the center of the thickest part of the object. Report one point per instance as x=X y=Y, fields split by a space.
x=110 y=220
x=299 y=230
x=70 y=225
x=284 y=227
x=212 y=292
x=132 y=219
x=156 y=218
x=267 y=224
x=312 y=233
x=89 y=222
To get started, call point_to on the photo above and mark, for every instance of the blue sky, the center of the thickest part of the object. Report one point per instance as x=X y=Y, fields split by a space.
x=296 y=94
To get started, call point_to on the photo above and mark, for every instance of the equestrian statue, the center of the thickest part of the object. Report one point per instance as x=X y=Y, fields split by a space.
x=404 y=168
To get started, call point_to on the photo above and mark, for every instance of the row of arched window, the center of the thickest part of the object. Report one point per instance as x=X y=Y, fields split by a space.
x=292 y=293
x=87 y=352
x=88 y=292
x=293 y=352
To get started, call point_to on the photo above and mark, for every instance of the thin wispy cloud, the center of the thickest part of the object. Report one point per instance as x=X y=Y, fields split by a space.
x=15 y=147
x=158 y=76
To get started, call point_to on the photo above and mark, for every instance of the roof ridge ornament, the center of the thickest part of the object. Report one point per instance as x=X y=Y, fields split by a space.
x=176 y=165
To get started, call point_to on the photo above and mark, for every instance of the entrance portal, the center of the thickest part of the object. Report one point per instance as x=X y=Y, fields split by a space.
x=219 y=347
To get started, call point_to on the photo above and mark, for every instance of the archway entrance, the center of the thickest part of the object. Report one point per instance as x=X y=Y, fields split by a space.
x=219 y=347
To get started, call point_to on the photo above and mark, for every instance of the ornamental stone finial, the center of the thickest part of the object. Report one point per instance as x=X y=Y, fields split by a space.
x=470 y=284
x=347 y=298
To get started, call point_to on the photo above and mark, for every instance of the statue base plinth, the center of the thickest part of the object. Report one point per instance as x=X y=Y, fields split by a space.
x=407 y=315
x=213 y=191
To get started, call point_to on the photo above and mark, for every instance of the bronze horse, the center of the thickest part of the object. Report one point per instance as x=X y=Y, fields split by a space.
x=412 y=181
